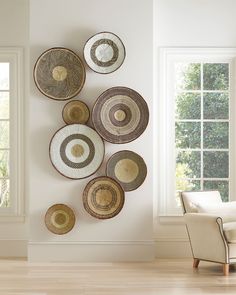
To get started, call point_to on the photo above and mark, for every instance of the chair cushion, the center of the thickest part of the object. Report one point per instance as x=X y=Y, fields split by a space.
x=230 y=231
x=191 y=199
x=227 y=211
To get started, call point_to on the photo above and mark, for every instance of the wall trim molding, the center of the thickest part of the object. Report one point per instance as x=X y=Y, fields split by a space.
x=91 y=251
x=172 y=248
x=13 y=248
x=105 y=242
x=169 y=239
x=11 y=240
x=84 y=251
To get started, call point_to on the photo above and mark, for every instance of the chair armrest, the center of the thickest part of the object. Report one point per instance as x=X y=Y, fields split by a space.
x=206 y=237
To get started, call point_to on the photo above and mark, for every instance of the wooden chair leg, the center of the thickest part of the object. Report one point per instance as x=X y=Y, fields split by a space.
x=226 y=269
x=195 y=262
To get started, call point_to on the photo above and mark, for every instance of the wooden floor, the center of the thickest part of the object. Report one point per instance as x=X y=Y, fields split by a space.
x=162 y=277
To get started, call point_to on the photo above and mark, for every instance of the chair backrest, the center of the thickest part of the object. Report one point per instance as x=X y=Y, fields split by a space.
x=189 y=199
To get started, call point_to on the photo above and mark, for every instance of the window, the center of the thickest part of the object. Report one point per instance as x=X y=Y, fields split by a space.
x=197 y=129
x=4 y=134
x=202 y=127
x=11 y=158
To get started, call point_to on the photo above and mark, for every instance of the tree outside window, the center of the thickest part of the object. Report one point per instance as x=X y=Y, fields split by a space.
x=202 y=127
x=4 y=135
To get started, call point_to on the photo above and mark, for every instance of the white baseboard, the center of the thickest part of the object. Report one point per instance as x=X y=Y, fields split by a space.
x=13 y=248
x=96 y=251
x=104 y=251
x=172 y=248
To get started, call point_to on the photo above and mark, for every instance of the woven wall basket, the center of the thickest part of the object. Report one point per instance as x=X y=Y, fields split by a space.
x=103 y=197
x=128 y=168
x=120 y=115
x=59 y=73
x=59 y=219
x=75 y=112
x=104 y=52
x=76 y=151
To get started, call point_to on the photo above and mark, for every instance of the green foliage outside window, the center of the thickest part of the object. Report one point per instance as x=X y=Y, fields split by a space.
x=196 y=133
x=221 y=186
x=4 y=135
x=215 y=76
x=4 y=182
x=215 y=106
x=216 y=135
x=192 y=161
x=188 y=106
x=188 y=76
x=188 y=135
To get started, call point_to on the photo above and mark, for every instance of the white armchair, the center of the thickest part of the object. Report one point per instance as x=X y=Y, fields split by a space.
x=212 y=235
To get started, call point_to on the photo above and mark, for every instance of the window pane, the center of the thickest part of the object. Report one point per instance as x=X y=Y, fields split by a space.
x=4 y=134
x=4 y=193
x=188 y=76
x=215 y=164
x=187 y=185
x=4 y=164
x=4 y=76
x=188 y=164
x=4 y=105
x=216 y=105
x=188 y=106
x=216 y=135
x=221 y=186
x=188 y=135
x=215 y=76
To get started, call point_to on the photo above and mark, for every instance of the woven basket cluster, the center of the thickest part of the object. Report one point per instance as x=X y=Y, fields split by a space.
x=119 y=115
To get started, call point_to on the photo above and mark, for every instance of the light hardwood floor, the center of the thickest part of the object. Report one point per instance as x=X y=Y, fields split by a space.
x=162 y=277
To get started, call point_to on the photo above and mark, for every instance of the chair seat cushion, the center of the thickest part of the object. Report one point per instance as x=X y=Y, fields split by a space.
x=230 y=231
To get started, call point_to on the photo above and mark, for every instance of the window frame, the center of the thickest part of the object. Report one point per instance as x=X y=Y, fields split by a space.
x=167 y=206
x=14 y=56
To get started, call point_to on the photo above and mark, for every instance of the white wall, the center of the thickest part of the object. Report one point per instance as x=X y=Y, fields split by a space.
x=69 y=23
x=195 y=23
x=192 y=23
x=128 y=236
x=14 y=32
x=14 y=20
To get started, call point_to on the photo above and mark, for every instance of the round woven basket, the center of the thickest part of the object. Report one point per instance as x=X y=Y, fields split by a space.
x=104 y=52
x=59 y=73
x=128 y=168
x=75 y=112
x=76 y=151
x=103 y=197
x=120 y=115
x=59 y=219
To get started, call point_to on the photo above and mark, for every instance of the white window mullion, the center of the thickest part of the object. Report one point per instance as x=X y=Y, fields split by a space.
x=230 y=107
x=201 y=125
x=205 y=150
x=213 y=179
